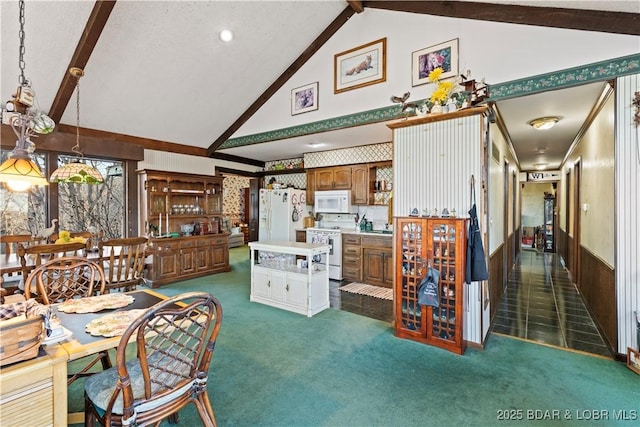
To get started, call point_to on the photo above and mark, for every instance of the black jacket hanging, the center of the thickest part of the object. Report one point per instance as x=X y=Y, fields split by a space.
x=476 y=265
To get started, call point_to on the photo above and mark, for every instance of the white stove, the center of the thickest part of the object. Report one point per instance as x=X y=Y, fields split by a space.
x=332 y=237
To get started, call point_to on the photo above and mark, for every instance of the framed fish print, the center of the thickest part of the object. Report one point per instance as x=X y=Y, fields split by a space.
x=361 y=66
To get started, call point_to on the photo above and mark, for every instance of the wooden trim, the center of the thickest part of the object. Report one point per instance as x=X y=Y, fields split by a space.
x=356 y=5
x=284 y=77
x=412 y=121
x=574 y=19
x=92 y=31
x=223 y=171
x=238 y=159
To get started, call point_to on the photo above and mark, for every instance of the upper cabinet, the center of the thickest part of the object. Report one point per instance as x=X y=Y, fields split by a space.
x=334 y=178
x=358 y=178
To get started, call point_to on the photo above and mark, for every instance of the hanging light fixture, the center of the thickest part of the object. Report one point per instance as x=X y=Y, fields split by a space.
x=77 y=172
x=19 y=172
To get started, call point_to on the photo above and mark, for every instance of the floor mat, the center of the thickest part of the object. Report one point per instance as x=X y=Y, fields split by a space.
x=370 y=290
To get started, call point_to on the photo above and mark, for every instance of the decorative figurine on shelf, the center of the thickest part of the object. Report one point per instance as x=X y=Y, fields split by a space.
x=405 y=106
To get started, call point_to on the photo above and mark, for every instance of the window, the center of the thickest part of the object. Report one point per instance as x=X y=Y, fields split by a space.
x=101 y=207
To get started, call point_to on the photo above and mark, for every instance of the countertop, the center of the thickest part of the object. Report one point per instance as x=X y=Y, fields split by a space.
x=348 y=230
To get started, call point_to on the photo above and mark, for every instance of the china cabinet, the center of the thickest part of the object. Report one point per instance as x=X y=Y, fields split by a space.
x=279 y=279
x=549 y=224
x=182 y=213
x=439 y=243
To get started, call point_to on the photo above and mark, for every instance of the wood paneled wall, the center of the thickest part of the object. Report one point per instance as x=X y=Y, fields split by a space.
x=599 y=292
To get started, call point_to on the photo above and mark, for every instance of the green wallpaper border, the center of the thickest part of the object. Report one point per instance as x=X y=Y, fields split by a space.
x=598 y=71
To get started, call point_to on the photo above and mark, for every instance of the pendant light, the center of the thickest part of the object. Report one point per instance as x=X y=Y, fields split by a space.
x=19 y=172
x=77 y=172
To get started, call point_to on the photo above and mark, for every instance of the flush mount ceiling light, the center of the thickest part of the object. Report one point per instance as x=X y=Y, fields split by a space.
x=77 y=172
x=543 y=123
x=540 y=166
x=19 y=171
x=226 y=35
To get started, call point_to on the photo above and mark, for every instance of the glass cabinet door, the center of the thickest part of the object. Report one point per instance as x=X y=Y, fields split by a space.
x=410 y=270
x=443 y=319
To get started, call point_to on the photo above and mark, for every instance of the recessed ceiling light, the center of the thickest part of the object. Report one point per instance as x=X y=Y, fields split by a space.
x=226 y=36
x=543 y=123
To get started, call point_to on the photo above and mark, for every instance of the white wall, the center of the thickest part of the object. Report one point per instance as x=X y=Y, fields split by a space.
x=533 y=202
x=497 y=51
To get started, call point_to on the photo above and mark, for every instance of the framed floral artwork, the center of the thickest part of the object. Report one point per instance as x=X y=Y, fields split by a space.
x=443 y=55
x=304 y=99
x=361 y=66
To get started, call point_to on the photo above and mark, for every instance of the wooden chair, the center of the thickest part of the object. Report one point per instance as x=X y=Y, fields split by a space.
x=9 y=244
x=175 y=340
x=124 y=261
x=31 y=257
x=64 y=278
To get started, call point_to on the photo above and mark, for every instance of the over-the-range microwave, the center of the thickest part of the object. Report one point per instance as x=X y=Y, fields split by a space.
x=334 y=201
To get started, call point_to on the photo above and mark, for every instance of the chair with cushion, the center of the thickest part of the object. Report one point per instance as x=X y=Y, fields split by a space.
x=175 y=340
x=64 y=278
x=124 y=261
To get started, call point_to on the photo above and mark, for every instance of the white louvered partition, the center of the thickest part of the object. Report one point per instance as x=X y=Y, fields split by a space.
x=627 y=148
x=433 y=165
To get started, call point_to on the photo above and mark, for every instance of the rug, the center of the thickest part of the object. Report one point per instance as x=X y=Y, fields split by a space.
x=369 y=290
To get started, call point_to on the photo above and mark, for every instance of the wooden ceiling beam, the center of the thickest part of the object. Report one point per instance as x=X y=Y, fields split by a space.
x=356 y=5
x=92 y=31
x=284 y=77
x=574 y=19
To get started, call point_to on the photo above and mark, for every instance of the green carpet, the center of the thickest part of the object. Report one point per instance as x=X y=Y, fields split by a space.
x=275 y=368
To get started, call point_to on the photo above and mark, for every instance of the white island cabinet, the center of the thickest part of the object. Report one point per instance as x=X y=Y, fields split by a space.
x=278 y=281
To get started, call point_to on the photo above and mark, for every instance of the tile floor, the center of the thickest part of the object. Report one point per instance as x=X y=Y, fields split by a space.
x=541 y=304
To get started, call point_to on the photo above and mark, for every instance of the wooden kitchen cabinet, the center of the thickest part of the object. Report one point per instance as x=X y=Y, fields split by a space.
x=351 y=257
x=301 y=236
x=360 y=184
x=333 y=178
x=439 y=243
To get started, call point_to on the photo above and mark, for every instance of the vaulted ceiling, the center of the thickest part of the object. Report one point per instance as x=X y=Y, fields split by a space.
x=157 y=75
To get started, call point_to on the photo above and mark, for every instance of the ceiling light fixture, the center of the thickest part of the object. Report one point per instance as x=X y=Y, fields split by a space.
x=543 y=123
x=226 y=35
x=77 y=172
x=19 y=172
x=540 y=166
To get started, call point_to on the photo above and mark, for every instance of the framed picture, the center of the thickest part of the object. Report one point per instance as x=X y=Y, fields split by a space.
x=361 y=66
x=304 y=99
x=444 y=55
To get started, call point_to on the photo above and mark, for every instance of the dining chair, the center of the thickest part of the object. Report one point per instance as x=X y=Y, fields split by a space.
x=13 y=280
x=31 y=257
x=175 y=340
x=123 y=262
x=64 y=278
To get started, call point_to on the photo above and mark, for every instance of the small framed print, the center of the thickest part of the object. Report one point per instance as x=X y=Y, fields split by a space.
x=361 y=66
x=304 y=99
x=443 y=55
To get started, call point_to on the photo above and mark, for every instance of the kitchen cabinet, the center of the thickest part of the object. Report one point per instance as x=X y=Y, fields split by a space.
x=301 y=235
x=277 y=281
x=333 y=178
x=360 y=184
x=311 y=186
x=187 y=257
x=351 y=257
x=378 y=191
x=439 y=243
x=367 y=258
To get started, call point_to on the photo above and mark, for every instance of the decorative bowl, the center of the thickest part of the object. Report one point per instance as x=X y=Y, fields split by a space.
x=187 y=229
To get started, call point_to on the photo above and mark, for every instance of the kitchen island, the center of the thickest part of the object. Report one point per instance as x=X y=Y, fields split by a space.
x=290 y=276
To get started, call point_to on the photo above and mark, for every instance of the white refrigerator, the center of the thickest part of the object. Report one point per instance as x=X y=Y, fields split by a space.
x=281 y=212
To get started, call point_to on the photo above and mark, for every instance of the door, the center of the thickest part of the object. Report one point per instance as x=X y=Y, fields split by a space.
x=296 y=288
x=254 y=208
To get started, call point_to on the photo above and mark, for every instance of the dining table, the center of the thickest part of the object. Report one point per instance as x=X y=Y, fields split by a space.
x=76 y=344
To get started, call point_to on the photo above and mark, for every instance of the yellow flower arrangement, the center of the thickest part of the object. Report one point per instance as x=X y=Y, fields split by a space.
x=65 y=237
x=443 y=90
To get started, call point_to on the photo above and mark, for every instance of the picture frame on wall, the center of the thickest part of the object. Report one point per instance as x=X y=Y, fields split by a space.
x=423 y=61
x=361 y=66
x=304 y=99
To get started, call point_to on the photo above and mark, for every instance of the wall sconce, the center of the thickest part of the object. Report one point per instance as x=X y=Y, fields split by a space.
x=543 y=123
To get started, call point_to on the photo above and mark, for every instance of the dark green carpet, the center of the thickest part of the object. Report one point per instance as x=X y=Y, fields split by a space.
x=275 y=368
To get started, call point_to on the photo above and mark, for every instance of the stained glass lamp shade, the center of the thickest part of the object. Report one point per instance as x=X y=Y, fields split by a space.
x=77 y=173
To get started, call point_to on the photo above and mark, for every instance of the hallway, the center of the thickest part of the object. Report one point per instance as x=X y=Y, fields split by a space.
x=541 y=304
